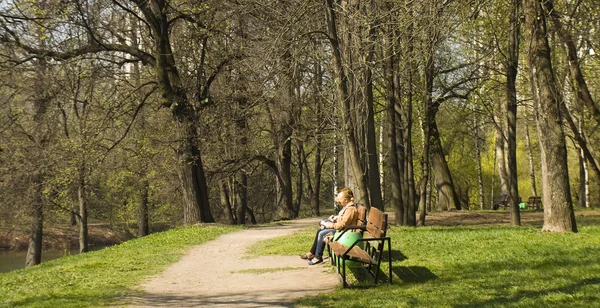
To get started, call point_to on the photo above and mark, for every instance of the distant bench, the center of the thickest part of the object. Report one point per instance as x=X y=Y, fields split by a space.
x=373 y=238
x=534 y=202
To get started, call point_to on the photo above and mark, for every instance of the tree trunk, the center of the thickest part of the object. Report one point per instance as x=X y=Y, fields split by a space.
x=188 y=176
x=409 y=192
x=241 y=196
x=582 y=181
x=582 y=89
x=143 y=213
x=500 y=157
x=480 y=186
x=316 y=189
x=374 y=183
x=83 y=215
x=285 y=209
x=316 y=192
x=579 y=136
x=391 y=138
x=299 y=178
x=448 y=199
x=34 y=250
x=558 y=207
x=225 y=203
x=196 y=206
x=354 y=166
x=511 y=114
x=427 y=118
x=408 y=186
x=530 y=158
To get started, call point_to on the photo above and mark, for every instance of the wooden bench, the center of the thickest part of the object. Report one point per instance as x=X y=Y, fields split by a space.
x=501 y=201
x=534 y=202
x=374 y=240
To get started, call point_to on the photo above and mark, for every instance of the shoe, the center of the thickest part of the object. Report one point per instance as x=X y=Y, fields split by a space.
x=315 y=261
x=306 y=256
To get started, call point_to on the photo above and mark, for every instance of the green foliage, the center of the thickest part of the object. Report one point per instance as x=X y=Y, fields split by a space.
x=99 y=278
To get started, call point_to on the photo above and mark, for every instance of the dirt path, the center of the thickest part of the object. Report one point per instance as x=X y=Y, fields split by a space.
x=218 y=274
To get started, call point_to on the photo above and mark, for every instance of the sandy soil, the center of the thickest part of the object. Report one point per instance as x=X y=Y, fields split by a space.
x=219 y=274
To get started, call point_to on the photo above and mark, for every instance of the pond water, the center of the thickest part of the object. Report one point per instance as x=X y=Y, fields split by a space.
x=12 y=260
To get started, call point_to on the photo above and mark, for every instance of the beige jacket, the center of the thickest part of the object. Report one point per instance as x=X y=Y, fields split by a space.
x=348 y=216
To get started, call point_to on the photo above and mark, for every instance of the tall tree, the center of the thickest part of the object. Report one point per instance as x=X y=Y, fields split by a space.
x=348 y=33
x=558 y=206
x=512 y=64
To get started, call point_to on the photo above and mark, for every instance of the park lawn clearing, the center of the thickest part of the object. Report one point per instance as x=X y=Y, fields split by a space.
x=474 y=266
x=101 y=277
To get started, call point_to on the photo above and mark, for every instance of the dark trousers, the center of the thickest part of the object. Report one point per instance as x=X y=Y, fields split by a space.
x=319 y=243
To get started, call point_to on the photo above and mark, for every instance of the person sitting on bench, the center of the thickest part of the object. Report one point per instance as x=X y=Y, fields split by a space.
x=348 y=216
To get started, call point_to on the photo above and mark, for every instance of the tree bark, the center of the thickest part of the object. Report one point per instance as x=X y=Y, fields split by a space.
x=530 y=159
x=225 y=203
x=558 y=206
x=428 y=114
x=407 y=169
x=500 y=155
x=40 y=106
x=191 y=172
x=299 y=178
x=511 y=114
x=583 y=91
x=447 y=197
x=392 y=157
x=143 y=212
x=374 y=183
x=83 y=214
x=354 y=166
x=241 y=196
x=34 y=250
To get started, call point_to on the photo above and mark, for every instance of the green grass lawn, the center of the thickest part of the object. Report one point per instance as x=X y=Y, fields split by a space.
x=433 y=267
x=99 y=278
x=474 y=267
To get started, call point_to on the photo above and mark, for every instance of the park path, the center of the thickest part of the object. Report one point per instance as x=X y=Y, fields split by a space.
x=219 y=273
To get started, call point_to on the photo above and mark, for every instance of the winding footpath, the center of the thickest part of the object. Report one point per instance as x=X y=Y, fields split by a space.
x=219 y=273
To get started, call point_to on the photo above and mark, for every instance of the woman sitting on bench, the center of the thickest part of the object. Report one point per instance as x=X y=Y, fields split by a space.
x=348 y=216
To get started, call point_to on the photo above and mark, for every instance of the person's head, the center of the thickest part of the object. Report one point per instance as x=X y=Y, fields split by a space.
x=345 y=196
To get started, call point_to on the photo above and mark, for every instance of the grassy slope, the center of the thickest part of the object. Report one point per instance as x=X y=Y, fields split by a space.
x=466 y=266
x=98 y=278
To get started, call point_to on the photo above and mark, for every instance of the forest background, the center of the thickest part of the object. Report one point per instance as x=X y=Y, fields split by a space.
x=151 y=114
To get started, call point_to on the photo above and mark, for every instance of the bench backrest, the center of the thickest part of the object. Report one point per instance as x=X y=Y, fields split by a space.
x=362 y=215
x=377 y=222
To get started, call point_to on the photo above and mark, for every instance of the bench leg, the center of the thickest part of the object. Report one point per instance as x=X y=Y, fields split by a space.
x=344 y=272
x=390 y=259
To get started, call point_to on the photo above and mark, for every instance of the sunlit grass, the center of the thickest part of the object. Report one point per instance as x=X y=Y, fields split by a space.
x=98 y=278
x=465 y=266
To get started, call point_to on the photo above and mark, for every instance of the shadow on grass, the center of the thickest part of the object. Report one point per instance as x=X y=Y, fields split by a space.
x=407 y=274
x=397 y=255
x=414 y=274
x=532 y=294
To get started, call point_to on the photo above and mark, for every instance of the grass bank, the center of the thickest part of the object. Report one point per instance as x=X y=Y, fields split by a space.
x=99 y=278
x=475 y=266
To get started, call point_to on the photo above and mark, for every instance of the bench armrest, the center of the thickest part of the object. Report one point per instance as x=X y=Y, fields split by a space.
x=348 y=228
x=371 y=239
